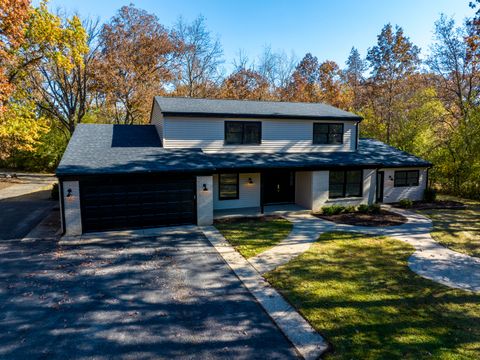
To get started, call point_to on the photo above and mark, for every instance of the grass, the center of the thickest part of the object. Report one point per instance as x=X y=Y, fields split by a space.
x=252 y=236
x=458 y=230
x=358 y=292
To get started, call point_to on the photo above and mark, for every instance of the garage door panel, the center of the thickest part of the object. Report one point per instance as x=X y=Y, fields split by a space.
x=148 y=202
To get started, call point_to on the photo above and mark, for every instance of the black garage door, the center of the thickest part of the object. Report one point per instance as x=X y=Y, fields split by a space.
x=127 y=203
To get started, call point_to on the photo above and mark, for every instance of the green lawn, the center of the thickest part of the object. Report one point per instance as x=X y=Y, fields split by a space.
x=252 y=236
x=359 y=293
x=458 y=230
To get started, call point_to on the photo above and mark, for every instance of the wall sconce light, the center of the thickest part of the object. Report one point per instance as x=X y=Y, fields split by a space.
x=205 y=187
x=250 y=181
x=390 y=178
x=69 y=192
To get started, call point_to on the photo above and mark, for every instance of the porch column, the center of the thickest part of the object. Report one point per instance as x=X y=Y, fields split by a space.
x=71 y=208
x=204 y=200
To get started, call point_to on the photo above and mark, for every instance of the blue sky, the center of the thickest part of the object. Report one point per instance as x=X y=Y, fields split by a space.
x=326 y=28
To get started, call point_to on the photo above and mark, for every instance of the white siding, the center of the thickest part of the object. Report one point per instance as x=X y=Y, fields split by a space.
x=320 y=184
x=156 y=118
x=277 y=135
x=394 y=194
x=249 y=194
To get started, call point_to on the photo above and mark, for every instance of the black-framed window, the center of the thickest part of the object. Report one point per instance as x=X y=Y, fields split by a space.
x=327 y=133
x=228 y=186
x=406 y=178
x=243 y=132
x=347 y=183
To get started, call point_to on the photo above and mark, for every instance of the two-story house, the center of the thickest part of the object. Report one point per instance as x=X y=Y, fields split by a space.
x=202 y=156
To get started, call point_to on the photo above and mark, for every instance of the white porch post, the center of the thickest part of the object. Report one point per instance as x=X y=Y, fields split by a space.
x=71 y=203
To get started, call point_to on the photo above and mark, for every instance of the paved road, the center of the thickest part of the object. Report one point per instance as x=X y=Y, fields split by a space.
x=20 y=214
x=164 y=297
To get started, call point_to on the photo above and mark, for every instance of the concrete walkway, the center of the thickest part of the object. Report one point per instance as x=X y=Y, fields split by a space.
x=306 y=340
x=430 y=260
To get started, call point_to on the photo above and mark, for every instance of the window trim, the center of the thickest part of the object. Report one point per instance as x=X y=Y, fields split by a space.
x=417 y=183
x=259 y=123
x=344 y=192
x=220 y=197
x=329 y=124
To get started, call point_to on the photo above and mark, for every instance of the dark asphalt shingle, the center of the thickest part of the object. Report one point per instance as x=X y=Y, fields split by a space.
x=171 y=106
x=116 y=149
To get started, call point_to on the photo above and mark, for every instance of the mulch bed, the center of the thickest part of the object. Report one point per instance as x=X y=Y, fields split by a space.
x=384 y=218
x=439 y=204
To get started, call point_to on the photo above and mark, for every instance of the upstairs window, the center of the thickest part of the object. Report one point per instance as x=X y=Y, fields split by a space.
x=327 y=133
x=228 y=186
x=344 y=184
x=406 y=178
x=243 y=132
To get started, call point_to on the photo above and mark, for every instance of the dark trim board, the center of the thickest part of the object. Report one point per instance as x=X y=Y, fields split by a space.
x=259 y=116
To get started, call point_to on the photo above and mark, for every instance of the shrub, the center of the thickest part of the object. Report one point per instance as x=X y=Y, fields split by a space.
x=350 y=209
x=363 y=208
x=429 y=195
x=374 y=209
x=405 y=203
x=54 y=194
x=333 y=210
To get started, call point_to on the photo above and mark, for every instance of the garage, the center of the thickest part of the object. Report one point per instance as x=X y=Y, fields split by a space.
x=114 y=203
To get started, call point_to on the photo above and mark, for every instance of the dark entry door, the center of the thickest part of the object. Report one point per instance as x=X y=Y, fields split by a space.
x=380 y=182
x=138 y=202
x=278 y=187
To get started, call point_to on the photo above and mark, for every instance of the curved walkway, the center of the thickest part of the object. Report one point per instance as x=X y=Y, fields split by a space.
x=430 y=260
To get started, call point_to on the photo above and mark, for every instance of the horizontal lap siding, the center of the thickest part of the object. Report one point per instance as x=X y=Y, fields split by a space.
x=157 y=119
x=277 y=136
x=249 y=194
x=394 y=194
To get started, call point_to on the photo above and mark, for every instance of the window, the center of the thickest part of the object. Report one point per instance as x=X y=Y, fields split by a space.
x=327 y=133
x=243 y=132
x=228 y=186
x=406 y=178
x=345 y=184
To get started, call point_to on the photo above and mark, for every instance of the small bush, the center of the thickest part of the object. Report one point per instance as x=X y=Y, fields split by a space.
x=405 y=203
x=429 y=195
x=363 y=208
x=333 y=210
x=374 y=209
x=350 y=209
x=54 y=194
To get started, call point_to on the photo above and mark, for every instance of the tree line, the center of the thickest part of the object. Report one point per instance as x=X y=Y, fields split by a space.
x=57 y=71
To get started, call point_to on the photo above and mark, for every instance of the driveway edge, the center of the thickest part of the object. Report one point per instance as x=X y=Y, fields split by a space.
x=309 y=344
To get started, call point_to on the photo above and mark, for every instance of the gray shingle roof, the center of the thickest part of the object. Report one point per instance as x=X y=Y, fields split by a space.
x=171 y=106
x=117 y=149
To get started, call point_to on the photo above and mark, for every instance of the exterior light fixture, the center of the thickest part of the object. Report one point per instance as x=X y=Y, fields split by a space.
x=205 y=187
x=390 y=178
x=250 y=181
x=69 y=192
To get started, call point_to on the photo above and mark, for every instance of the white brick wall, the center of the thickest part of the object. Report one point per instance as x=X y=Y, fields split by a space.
x=394 y=194
x=249 y=194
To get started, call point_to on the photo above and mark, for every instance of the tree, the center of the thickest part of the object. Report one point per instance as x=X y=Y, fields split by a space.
x=245 y=84
x=354 y=77
x=63 y=93
x=303 y=85
x=277 y=69
x=134 y=64
x=331 y=86
x=454 y=61
x=392 y=60
x=13 y=22
x=199 y=60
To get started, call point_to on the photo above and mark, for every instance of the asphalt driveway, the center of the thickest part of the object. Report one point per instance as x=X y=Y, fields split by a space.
x=170 y=296
x=20 y=214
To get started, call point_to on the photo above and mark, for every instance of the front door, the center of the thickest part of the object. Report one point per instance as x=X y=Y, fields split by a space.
x=380 y=182
x=278 y=187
